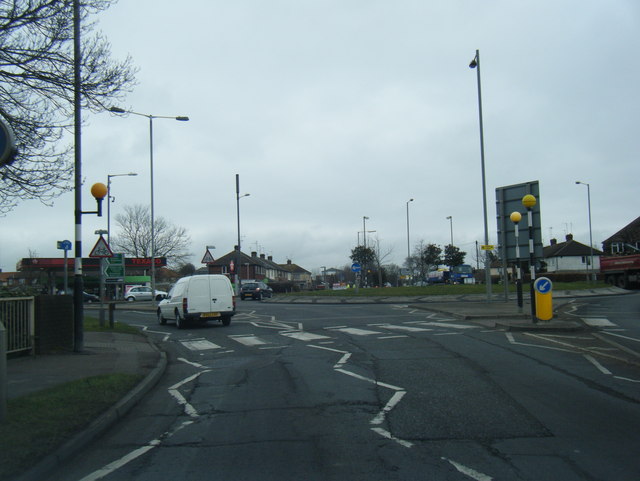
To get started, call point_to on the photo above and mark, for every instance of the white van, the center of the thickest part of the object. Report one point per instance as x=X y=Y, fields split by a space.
x=199 y=297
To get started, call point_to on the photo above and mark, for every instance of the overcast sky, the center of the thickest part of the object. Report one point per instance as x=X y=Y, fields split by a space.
x=334 y=110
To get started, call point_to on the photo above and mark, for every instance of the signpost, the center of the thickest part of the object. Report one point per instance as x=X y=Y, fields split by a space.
x=356 y=267
x=66 y=246
x=101 y=250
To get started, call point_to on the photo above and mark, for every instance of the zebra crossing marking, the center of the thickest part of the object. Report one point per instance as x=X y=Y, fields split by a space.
x=598 y=322
x=199 y=344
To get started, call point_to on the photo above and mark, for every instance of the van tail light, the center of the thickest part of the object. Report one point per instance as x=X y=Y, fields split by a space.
x=233 y=298
x=184 y=305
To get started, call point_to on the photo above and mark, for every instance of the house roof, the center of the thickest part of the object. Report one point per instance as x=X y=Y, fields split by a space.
x=628 y=232
x=293 y=268
x=246 y=259
x=569 y=248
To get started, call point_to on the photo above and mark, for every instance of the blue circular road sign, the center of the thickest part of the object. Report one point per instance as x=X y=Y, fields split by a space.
x=543 y=285
x=356 y=267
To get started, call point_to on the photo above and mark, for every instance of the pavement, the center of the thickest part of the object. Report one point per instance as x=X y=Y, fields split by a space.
x=107 y=352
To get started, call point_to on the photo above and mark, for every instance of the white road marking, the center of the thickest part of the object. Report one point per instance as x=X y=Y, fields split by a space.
x=194 y=364
x=354 y=331
x=329 y=349
x=372 y=381
x=304 y=336
x=395 y=327
x=599 y=366
x=598 y=322
x=448 y=324
x=395 y=399
x=199 y=344
x=248 y=340
x=627 y=379
x=173 y=390
x=472 y=473
x=399 y=336
x=386 y=434
x=117 y=464
x=511 y=339
x=623 y=337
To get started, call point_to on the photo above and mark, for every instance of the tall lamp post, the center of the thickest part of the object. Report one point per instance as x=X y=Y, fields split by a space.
x=475 y=63
x=110 y=199
x=592 y=276
x=118 y=110
x=237 y=266
x=408 y=244
x=450 y=218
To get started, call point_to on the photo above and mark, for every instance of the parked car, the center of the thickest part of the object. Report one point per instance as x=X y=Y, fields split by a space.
x=86 y=297
x=143 y=293
x=255 y=290
x=200 y=297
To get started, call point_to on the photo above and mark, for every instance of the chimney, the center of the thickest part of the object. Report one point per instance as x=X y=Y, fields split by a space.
x=288 y=262
x=254 y=254
x=270 y=258
x=569 y=237
x=261 y=256
x=553 y=242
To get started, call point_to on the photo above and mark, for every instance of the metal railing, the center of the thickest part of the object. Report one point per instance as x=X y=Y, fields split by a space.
x=18 y=316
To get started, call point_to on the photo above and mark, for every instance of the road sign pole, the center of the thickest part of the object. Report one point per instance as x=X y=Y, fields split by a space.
x=102 y=267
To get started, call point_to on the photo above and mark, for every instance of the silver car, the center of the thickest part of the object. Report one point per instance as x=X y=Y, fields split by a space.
x=143 y=293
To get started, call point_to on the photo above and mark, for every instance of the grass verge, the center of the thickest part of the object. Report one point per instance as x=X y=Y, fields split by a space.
x=38 y=423
x=93 y=324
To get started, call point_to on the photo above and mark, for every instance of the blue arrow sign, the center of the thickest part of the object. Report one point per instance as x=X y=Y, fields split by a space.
x=356 y=267
x=64 y=245
x=543 y=285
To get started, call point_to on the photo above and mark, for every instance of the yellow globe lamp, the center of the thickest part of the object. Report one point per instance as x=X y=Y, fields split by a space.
x=528 y=201
x=515 y=217
x=99 y=190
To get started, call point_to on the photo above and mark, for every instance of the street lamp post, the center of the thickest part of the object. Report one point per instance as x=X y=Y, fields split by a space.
x=110 y=199
x=118 y=110
x=237 y=265
x=475 y=63
x=364 y=252
x=451 y=227
x=408 y=244
x=593 y=275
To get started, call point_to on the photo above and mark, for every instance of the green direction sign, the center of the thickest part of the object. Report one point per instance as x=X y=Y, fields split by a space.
x=114 y=268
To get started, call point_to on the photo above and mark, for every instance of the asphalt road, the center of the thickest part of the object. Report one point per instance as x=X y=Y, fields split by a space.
x=349 y=392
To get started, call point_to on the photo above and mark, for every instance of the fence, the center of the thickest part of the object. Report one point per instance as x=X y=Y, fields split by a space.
x=18 y=316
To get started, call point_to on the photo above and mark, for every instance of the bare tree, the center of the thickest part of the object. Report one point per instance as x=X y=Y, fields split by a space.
x=134 y=236
x=37 y=89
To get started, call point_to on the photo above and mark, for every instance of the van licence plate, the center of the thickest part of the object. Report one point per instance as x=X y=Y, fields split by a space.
x=210 y=314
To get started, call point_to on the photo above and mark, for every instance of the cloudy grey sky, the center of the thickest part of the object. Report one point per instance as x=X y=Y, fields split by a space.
x=334 y=110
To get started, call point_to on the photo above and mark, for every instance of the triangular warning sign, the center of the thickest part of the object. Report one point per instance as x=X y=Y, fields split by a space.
x=101 y=249
x=207 y=257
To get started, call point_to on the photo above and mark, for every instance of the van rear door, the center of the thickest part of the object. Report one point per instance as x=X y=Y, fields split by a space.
x=199 y=295
x=222 y=292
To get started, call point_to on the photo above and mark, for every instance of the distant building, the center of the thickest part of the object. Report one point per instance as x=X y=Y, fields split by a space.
x=299 y=276
x=624 y=242
x=570 y=256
